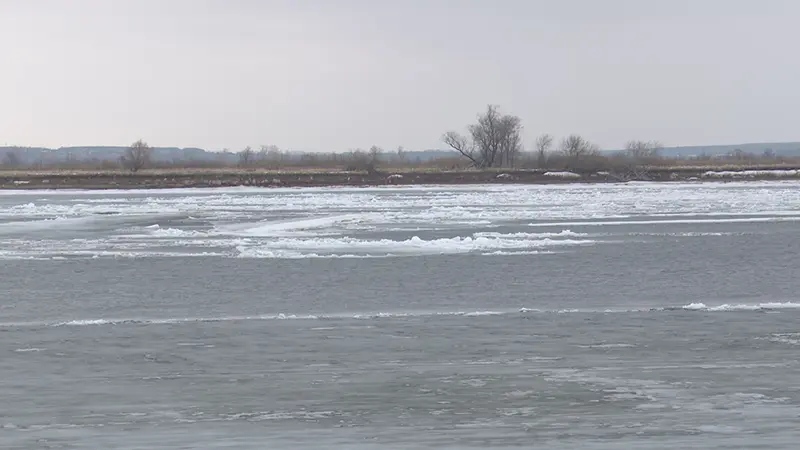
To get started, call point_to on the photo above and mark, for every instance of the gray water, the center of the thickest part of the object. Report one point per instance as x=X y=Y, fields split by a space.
x=652 y=316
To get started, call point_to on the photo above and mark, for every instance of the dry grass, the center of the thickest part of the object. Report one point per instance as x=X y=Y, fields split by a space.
x=448 y=165
x=706 y=166
x=226 y=171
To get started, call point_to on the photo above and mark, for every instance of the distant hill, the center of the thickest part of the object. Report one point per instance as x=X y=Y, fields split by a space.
x=46 y=156
x=98 y=154
x=786 y=149
x=34 y=155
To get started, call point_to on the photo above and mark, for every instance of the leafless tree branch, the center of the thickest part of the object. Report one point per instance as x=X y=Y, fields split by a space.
x=576 y=147
x=246 y=156
x=543 y=145
x=496 y=140
x=462 y=145
x=643 y=149
x=137 y=156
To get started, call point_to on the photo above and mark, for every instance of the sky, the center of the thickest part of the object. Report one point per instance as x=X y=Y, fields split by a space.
x=325 y=75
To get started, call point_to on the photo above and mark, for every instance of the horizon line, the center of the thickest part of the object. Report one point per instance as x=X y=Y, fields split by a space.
x=223 y=150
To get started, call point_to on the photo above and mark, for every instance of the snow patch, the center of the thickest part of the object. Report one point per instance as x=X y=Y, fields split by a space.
x=777 y=173
x=566 y=175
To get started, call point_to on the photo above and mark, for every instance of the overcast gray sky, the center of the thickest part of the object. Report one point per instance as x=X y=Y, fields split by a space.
x=341 y=74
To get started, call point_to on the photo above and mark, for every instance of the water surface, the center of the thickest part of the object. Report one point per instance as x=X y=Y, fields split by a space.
x=650 y=316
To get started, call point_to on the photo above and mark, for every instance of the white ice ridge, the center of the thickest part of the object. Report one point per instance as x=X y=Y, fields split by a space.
x=424 y=203
x=599 y=223
x=741 y=307
x=414 y=245
x=157 y=231
x=562 y=233
x=334 y=317
x=368 y=222
x=171 y=242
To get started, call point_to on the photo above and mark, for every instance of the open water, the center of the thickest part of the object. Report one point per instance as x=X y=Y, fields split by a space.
x=647 y=316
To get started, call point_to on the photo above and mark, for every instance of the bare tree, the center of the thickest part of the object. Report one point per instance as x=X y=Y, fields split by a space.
x=510 y=143
x=543 y=145
x=638 y=154
x=137 y=156
x=639 y=150
x=269 y=151
x=359 y=160
x=375 y=153
x=246 y=156
x=495 y=140
x=464 y=146
x=401 y=154
x=271 y=154
x=12 y=160
x=576 y=147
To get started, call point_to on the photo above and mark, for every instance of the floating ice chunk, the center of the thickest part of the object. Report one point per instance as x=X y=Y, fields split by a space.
x=778 y=173
x=572 y=175
x=562 y=233
x=695 y=306
x=175 y=232
x=741 y=307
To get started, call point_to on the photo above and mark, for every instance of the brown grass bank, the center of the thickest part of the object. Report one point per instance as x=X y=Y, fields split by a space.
x=227 y=177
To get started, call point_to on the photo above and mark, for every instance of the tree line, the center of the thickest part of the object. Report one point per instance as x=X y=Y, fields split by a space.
x=494 y=141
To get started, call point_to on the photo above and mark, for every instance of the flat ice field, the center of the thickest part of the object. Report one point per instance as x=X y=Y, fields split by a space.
x=380 y=222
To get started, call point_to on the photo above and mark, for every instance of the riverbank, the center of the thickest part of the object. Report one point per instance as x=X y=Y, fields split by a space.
x=204 y=178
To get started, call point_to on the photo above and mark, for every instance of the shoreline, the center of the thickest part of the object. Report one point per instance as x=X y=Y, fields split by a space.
x=210 y=178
